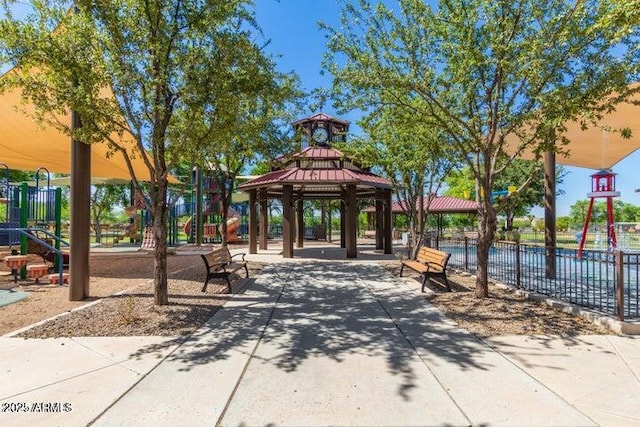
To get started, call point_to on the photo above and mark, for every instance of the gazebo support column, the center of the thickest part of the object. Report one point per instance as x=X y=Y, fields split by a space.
x=388 y=212
x=287 y=221
x=253 y=228
x=343 y=213
x=329 y=226
x=351 y=222
x=379 y=219
x=300 y=223
x=264 y=220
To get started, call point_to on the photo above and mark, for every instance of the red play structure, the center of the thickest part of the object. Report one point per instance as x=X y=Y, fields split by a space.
x=603 y=185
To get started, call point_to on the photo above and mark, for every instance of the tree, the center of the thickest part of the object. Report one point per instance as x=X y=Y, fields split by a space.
x=241 y=116
x=102 y=199
x=562 y=223
x=488 y=73
x=626 y=212
x=461 y=184
x=416 y=174
x=578 y=213
x=126 y=68
x=623 y=212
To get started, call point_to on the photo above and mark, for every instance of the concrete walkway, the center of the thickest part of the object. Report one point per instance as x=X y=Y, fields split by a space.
x=310 y=343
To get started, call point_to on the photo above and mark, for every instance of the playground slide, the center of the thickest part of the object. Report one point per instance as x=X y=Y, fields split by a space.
x=132 y=230
x=131 y=211
x=232 y=228
x=187 y=226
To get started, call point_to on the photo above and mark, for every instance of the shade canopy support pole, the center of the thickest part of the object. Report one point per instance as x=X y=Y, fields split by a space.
x=80 y=216
x=550 y=213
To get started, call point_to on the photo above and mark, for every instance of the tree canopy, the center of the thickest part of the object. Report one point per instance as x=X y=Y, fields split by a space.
x=486 y=73
x=411 y=155
x=460 y=183
x=131 y=70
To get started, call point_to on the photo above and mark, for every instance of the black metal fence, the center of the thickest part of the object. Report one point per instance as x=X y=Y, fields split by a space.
x=607 y=282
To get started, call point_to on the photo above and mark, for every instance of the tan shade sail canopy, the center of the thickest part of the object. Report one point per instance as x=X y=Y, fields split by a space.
x=26 y=145
x=597 y=147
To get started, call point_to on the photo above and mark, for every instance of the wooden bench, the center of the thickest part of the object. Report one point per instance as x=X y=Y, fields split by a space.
x=220 y=263
x=429 y=262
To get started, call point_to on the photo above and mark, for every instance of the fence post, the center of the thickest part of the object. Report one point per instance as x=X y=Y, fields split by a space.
x=466 y=255
x=619 y=285
x=517 y=263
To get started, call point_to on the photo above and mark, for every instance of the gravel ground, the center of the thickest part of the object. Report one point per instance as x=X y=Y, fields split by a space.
x=121 y=289
x=121 y=303
x=505 y=312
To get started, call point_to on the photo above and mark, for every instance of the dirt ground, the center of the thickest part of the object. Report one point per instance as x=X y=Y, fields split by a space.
x=121 y=303
x=121 y=289
x=505 y=312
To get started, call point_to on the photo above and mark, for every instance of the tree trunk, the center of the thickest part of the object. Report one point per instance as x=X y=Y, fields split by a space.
x=223 y=221
x=487 y=223
x=160 y=212
x=97 y=229
x=224 y=201
x=509 y=221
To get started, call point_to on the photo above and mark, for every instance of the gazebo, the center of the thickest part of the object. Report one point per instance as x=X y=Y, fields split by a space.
x=439 y=205
x=318 y=172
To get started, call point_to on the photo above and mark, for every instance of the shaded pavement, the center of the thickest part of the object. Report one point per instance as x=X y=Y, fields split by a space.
x=328 y=343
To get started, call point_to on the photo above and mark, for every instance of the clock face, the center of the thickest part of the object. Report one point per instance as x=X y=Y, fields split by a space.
x=320 y=135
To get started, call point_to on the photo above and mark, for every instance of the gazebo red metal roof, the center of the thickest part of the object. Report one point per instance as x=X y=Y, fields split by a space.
x=318 y=172
x=313 y=153
x=318 y=117
x=439 y=204
x=320 y=153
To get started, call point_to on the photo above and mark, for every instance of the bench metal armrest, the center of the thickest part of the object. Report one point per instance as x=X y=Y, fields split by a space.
x=239 y=254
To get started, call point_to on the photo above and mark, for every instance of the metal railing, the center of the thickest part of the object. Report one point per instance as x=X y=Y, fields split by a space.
x=607 y=282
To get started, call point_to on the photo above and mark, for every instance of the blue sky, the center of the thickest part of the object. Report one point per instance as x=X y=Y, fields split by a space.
x=292 y=27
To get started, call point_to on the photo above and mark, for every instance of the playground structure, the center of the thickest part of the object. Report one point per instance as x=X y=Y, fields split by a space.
x=139 y=230
x=213 y=231
x=603 y=185
x=132 y=231
x=206 y=196
x=39 y=201
x=29 y=213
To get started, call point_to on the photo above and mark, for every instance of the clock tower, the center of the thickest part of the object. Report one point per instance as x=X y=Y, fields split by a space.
x=321 y=130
